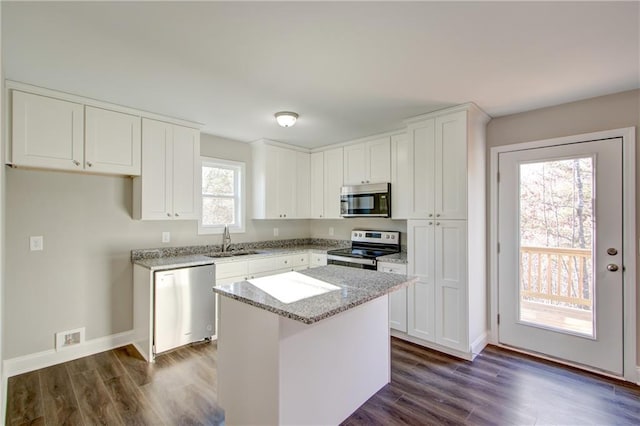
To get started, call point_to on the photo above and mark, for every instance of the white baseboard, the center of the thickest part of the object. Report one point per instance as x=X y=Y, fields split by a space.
x=23 y=364
x=469 y=356
x=479 y=344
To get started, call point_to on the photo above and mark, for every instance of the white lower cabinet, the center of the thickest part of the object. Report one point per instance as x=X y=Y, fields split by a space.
x=317 y=259
x=397 y=299
x=442 y=311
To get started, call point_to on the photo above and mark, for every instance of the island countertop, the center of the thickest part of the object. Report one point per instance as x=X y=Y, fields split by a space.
x=355 y=287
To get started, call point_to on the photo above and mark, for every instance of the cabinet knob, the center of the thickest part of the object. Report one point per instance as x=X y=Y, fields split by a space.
x=367 y=181
x=430 y=223
x=430 y=214
x=437 y=223
x=169 y=214
x=438 y=215
x=89 y=163
x=286 y=261
x=284 y=215
x=76 y=162
x=177 y=215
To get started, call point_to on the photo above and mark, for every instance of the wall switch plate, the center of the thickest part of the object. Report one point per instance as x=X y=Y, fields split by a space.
x=275 y=232
x=36 y=243
x=331 y=231
x=166 y=237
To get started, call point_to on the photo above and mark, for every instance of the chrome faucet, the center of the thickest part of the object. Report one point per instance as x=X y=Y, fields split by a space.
x=226 y=239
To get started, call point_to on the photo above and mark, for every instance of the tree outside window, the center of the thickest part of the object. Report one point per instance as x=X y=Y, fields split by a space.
x=222 y=196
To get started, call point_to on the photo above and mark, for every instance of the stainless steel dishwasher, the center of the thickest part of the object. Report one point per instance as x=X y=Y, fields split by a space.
x=184 y=306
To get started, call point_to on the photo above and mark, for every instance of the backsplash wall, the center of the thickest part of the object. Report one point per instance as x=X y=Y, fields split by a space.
x=320 y=228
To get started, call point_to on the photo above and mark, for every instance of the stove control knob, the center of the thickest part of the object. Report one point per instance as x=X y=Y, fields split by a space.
x=393 y=237
x=387 y=237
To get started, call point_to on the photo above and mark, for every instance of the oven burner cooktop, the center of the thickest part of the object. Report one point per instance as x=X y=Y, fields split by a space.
x=366 y=246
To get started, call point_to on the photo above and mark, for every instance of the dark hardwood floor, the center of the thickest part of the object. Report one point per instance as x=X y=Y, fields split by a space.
x=427 y=388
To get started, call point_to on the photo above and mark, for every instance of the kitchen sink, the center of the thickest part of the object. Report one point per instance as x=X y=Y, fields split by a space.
x=232 y=253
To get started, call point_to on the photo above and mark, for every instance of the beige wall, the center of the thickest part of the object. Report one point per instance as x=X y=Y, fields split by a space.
x=83 y=278
x=603 y=113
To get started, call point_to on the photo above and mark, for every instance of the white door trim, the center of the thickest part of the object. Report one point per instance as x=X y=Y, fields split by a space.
x=628 y=136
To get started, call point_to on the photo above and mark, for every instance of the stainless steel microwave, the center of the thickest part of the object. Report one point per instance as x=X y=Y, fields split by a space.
x=371 y=200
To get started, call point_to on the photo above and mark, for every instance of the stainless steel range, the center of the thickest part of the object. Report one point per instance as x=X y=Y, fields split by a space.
x=366 y=246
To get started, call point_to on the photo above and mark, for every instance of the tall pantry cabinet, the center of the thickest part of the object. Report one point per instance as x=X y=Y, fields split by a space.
x=444 y=154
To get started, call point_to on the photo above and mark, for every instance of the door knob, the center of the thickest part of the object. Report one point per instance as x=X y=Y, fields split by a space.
x=612 y=252
x=612 y=267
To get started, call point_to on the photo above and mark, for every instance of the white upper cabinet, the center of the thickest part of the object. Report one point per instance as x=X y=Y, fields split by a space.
x=53 y=133
x=401 y=179
x=333 y=181
x=368 y=162
x=46 y=132
x=280 y=182
x=435 y=161
x=317 y=185
x=303 y=185
x=169 y=187
x=112 y=142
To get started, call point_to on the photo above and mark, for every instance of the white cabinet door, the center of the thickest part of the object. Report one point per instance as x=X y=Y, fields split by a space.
x=169 y=186
x=355 y=164
x=397 y=299
x=317 y=259
x=422 y=140
x=317 y=185
x=401 y=176
x=421 y=297
x=333 y=172
x=303 y=186
x=451 y=166
x=46 y=132
x=186 y=186
x=368 y=162
x=155 y=196
x=378 y=161
x=286 y=182
x=112 y=142
x=451 y=284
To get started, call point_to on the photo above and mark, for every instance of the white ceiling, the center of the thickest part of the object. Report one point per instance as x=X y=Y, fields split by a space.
x=349 y=69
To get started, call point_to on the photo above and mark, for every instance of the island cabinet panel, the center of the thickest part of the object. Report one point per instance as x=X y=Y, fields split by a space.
x=333 y=175
x=317 y=259
x=317 y=185
x=169 y=187
x=274 y=370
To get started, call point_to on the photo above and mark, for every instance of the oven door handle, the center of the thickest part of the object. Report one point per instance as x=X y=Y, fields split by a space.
x=361 y=261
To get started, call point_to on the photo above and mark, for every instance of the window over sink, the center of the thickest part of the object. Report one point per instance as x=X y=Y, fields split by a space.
x=223 y=200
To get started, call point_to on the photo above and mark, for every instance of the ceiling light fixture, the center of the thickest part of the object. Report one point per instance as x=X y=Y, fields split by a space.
x=286 y=118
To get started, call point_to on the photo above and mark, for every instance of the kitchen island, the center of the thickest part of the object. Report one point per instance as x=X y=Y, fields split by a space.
x=304 y=347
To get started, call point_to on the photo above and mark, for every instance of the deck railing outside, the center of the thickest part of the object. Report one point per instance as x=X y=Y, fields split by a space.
x=556 y=276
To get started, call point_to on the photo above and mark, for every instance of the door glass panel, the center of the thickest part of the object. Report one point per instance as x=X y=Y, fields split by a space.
x=556 y=230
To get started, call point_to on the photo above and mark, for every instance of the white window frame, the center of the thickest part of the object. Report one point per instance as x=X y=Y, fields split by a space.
x=240 y=197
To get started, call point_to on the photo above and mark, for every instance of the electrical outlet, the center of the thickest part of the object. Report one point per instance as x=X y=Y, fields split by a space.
x=36 y=243
x=275 y=232
x=64 y=339
x=331 y=231
x=166 y=237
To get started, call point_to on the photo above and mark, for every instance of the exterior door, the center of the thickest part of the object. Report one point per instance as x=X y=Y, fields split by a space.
x=560 y=269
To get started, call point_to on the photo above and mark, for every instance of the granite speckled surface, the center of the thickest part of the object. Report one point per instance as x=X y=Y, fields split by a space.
x=174 y=262
x=357 y=286
x=394 y=258
x=299 y=243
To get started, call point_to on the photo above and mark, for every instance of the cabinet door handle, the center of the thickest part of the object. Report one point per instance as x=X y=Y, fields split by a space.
x=177 y=215
x=169 y=214
x=76 y=162
x=89 y=163
x=430 y=214
x=438 y=215
x=430 y=223
x=437 y=223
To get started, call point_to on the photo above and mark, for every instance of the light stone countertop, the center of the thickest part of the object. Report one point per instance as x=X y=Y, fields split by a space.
x=175 y=262
x=394 y=258
x=357 y=286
